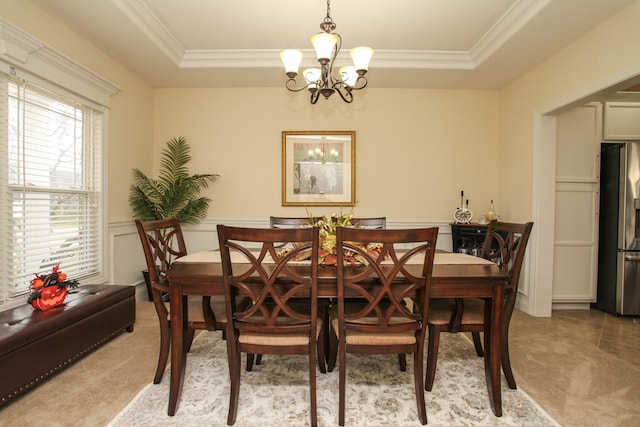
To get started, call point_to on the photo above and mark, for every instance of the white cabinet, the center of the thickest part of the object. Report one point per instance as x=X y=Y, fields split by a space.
x=575 y=259
x=621 y=121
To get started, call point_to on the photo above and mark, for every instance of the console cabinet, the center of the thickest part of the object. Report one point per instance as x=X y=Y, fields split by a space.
x=468 y=238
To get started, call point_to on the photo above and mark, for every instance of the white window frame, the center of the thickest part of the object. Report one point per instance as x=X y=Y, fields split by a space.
x=25 y=57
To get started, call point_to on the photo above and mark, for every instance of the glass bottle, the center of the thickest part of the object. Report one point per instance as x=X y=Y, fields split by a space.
x=491 y=214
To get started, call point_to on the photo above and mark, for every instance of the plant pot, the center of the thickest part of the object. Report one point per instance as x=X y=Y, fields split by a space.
x=51 y=296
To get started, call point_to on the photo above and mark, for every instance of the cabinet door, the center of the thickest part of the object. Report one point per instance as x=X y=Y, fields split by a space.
x=621 y=121
x=576 y=226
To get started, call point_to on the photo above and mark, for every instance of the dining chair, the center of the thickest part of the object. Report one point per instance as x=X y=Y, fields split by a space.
x=288 y=222
x=505 y=244
x=292 y=222
x=387 y=321
x=371 y=222
x=282 y=317
x=162 y=243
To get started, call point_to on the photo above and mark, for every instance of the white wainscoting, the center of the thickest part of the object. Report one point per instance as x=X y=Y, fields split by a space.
x=127 y=259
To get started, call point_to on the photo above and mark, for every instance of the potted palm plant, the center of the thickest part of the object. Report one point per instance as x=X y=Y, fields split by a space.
x=174 y=194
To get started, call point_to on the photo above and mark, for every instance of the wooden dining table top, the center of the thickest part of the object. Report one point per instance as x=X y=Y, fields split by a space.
x=451 y=277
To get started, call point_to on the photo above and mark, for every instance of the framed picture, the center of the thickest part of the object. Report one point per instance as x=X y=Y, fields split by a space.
x=318 y=168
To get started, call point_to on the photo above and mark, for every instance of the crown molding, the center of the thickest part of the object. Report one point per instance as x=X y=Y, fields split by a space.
x=24 y=52
x=270 y=58
x=518 y=15
x=148 y=23
x=521 y=12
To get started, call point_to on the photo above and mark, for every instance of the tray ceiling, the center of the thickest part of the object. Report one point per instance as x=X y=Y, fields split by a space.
x=459 y=44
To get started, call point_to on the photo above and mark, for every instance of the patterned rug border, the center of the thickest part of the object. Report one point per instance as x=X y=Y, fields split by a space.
x=463 y=405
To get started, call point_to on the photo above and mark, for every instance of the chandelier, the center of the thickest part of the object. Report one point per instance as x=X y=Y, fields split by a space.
x=322 y=80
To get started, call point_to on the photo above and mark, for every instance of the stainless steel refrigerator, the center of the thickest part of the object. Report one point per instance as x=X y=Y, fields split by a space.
x=619 y=239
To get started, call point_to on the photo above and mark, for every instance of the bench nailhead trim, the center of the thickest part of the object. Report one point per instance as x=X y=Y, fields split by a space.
x=81 y=353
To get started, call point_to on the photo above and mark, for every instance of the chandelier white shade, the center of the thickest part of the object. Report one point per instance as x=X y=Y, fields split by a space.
x=291 y=59
x=327 y=45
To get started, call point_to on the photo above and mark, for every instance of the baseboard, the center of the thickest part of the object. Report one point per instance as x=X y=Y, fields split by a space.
x=571 y=306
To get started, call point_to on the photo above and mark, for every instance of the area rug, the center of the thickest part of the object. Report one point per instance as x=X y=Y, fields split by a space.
x=276 y=393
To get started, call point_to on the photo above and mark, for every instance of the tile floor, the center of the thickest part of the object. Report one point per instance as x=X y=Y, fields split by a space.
x=582 y=367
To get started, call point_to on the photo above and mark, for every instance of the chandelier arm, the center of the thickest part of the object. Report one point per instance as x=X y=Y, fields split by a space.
x=314 y=97
x=349 y=96
x=294 y=89
x=362 y=80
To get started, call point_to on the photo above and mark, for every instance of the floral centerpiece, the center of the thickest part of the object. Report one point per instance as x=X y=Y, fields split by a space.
x=49 y=290
x=327 y=253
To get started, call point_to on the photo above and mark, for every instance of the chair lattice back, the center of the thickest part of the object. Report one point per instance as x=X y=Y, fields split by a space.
x=292 y=222
x=162 y=242
x=273 y=279
x=374 y=222
x=382 y=281
x=505 y=244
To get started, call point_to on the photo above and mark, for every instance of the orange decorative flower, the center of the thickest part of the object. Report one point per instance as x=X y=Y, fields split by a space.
x=37 y=283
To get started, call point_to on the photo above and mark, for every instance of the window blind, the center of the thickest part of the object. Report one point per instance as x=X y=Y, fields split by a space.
x=51 y=150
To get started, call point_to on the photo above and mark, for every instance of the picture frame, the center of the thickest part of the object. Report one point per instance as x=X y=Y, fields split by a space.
x=318 y=168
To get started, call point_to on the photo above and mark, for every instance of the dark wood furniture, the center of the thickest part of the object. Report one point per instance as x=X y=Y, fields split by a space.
x=291 y=222
x=468 y=315
x=451 y=280
x=468 y=238
x=36 y=344
x=282 y=317
x=162 y=243
x=383 y=322
x=379 y=222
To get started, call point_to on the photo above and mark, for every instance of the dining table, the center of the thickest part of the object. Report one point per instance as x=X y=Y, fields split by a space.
x=454 y=275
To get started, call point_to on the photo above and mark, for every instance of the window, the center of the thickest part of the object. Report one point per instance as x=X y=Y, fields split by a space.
x=51 y=193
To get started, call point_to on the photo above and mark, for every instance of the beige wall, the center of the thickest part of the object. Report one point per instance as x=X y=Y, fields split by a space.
x=131 y=109
x=415 y=149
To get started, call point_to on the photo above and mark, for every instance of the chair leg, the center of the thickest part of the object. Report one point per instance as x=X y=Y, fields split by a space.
x=258 y=359
x=188 y=339
x=233 y=355
x=432 y=356
x=163 y=355
x=477 y=343
x=312 y=387
x=320 y=351
x=504 y=356
x=165 y=336
x=249 y=366
x=333 y=350
x=506 y=365
x=402 y=360
x=341 y=382
x=418 y=358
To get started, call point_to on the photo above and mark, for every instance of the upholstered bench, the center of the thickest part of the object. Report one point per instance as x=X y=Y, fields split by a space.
x=35 y=344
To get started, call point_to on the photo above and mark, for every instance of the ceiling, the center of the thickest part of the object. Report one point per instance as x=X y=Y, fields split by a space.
x=448 y=44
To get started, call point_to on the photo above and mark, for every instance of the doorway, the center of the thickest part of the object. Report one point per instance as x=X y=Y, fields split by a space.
x=540 y=274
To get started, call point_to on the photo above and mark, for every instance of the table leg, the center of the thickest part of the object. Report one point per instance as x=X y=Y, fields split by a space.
x=492 y=342
x=178 y=309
